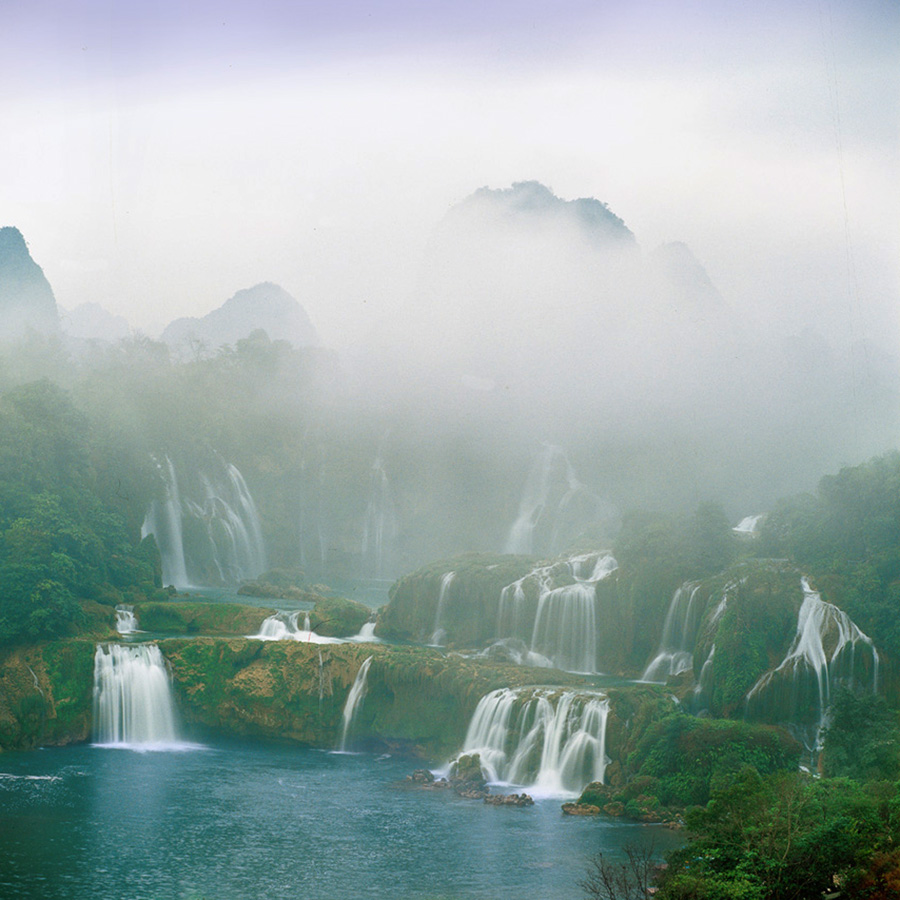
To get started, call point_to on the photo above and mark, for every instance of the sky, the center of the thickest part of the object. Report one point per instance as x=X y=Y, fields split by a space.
x=160 y=157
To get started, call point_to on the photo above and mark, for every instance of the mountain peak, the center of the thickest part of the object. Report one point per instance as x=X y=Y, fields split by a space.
x=26 y=298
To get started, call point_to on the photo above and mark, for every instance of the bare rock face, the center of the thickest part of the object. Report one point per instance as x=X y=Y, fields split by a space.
x=26 y=298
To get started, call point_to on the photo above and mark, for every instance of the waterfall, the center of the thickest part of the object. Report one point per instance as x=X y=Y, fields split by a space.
x=366 y=634
x=210 y=537
x=749 y=525
x=675 y=653
x=549 y=740
x=380 y=524
x=554 y=508
x=126 y=621
x=133 y=704
x=554 y=610
x=438 y=634
x=282 y=626
x=354 y=700
x=163 y=521
x=828 y=648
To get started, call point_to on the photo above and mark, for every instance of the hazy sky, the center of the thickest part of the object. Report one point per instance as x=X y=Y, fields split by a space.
x=159 y=157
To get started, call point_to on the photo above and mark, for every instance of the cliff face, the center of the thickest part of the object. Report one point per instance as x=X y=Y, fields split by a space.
x=26 y=298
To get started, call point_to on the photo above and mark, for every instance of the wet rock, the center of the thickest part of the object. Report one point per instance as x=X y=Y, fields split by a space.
x=580 y=809
x=509 y=800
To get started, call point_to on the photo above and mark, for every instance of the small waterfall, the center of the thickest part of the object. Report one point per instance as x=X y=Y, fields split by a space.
x=133 y=704
x=438 y=634
x=549 y=740
x=749 y=525
x=282 y=626
x=675 y=653
x=354 y=700
x=163 y=521
x=366 y=634
x=380 y=524
x=554 y=609
x=126 y=621
x=828 y=648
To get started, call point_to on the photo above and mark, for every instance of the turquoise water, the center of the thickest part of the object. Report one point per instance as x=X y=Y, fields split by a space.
x=238 y=821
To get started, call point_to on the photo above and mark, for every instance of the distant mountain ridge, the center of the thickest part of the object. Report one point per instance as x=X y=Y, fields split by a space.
x=26 y=298
x=267 y=306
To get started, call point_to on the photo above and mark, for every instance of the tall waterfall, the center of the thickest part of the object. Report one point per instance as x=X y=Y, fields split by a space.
x=163 y=521
x=354 y=700
x=210 y=536
x=828 y=649
x=553 y=741
x=675 y=653
x=133 y=704
x=554 y=610
x=380 y=524
x=438 y=634
x=554 y=506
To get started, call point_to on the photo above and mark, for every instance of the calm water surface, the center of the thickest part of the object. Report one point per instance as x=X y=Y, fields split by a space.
x=239 y=821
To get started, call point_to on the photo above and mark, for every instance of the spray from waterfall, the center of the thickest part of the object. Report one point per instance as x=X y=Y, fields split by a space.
x=354 y=701
x=551 y=741
x=282 y=626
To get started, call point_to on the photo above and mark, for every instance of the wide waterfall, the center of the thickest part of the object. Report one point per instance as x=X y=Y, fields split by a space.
x=284 y=626
x=211 y=535
x=550 y=740
x=438 y=634
x=133 y=704
x=828 y=649
x=553 y=610
x=555 y=506
x=354 y=701
x=675 y=653
x=380 y=524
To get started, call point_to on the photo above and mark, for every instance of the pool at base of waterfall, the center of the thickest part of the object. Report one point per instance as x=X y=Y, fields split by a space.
x=236 y=820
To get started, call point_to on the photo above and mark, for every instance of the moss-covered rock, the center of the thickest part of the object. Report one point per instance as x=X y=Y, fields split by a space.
x=338 y=617
x=197 y=617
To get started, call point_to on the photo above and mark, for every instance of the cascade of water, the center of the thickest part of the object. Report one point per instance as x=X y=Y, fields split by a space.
x=126 y=621
x=282 y=626
x=164 y=523
x=438 y=634
x=380 y=524
x=822 y=654
x=554 y=609
x=227 y=548
x=354 y=700
x=550 y=740
x=675 y=653
x=132 y=697
x=366 y=634
x=749 y=525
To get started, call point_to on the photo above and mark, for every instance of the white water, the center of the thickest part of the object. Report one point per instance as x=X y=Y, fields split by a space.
x=227 y=545
x=366 y=635
x=354 y=700
x=133 y=705
x=824 y=651
x=380 y=524
x=126 y=621
x=283 y=627
x=749 y=525
x=563 y=626
x=163 y=521
x=675 y=653
x=551 y=741
x=438 y=634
